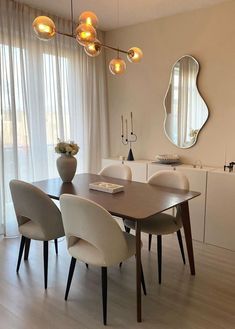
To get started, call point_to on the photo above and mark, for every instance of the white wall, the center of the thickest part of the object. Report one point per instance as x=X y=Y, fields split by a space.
x=209 y=36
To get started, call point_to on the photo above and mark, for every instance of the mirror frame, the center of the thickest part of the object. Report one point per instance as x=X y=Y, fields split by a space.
x=164 y=102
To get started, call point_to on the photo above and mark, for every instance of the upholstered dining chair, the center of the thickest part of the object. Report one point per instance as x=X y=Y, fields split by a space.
x=119 y=171
x=38 y=219
x=163 y=224
x=94 y=237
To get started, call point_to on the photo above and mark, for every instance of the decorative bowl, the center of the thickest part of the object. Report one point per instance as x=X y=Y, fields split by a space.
x=167 y=158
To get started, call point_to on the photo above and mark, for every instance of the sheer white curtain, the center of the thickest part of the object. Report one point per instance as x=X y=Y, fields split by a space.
x=47 y=90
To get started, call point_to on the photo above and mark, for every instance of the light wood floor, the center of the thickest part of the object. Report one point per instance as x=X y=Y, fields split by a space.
x=206 y=301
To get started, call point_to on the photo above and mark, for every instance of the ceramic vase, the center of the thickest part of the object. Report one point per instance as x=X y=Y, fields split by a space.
x=66 y=166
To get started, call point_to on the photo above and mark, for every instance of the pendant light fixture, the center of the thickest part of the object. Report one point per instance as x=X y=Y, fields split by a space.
x=86 y=35
x=134 y=55
x=93 y=49
x=117 y=66
x=44 y=27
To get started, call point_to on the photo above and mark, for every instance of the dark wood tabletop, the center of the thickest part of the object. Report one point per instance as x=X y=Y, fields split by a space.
x=137 y=201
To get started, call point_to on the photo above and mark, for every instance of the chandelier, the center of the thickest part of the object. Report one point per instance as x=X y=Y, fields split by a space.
x=86 y=35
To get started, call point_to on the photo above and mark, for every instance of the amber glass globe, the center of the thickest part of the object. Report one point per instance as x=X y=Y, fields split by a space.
x=88 y=17
x=93 y=49
x=85 y=34
x=135 y=55
x=44 y=27
x=117 y=66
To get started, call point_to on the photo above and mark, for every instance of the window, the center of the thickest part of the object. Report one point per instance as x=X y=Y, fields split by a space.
x=29 y=133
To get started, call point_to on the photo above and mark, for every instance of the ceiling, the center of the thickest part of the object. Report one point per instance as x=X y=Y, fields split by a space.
x=130 y=11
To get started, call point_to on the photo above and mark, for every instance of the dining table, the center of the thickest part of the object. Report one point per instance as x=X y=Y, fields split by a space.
x=137 y=202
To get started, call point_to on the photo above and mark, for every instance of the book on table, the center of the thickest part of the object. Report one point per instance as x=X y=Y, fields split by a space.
x=106 y=187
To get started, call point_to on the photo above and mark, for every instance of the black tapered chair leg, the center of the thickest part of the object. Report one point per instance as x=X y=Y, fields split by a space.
x=127 y=229
x=56 y=246
x=22 y=244
x=70 y=276
x=143 y=281
x=179 y=236
x=150 y=241
x=45 y=258
x=159 y=257
x=26 y=249
x=87 y=266
x=104 y=293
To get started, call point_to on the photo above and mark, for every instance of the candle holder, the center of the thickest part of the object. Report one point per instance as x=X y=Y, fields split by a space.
x=229 y=166
x=126 y=140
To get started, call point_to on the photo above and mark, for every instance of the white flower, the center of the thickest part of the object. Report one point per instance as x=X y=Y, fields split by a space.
x=69 y=148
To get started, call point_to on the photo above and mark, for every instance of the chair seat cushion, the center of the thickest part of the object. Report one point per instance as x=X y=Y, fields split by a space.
x=33 y=231
x=159 y=224
x=89 y=254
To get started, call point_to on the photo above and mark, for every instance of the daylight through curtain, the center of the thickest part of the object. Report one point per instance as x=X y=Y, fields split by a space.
x=48 y=90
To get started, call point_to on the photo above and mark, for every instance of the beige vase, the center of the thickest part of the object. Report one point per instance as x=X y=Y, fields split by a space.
x=66 y=166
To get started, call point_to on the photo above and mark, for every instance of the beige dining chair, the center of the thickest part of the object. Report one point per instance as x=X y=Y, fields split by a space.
x=94 y=237
x=119 y=171
x=163 y=224
x=38 y=219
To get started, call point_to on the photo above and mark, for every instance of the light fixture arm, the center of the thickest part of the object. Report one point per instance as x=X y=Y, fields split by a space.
x=114 y=49
x=71 y=8
x=101 y=44
x=66 y=34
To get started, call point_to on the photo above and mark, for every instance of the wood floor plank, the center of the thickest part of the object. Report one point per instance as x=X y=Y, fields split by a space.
x=206 y=301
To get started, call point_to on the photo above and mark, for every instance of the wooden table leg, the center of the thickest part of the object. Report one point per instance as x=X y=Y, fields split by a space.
x=188 y=234
x=138 y=269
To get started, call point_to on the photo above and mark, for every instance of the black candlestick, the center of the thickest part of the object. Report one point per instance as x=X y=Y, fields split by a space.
x=125 y=141
x=132 y=139
x=130 y=156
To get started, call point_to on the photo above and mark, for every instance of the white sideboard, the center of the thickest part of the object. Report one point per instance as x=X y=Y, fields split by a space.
x=220 y=209
x=213 y=212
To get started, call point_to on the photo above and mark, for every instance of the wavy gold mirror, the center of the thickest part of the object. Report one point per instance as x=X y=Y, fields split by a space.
x=186 y=111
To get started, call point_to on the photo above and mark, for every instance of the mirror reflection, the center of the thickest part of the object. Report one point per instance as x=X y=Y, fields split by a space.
x=186 y=111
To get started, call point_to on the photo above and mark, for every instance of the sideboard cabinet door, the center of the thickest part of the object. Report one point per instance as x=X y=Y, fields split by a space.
x=197 y=182
x=220 y=210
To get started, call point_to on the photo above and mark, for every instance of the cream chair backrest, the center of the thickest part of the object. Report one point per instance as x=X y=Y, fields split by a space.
x=84 y=219
x=169 y=178
x=120 y=171
x=31 y=203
